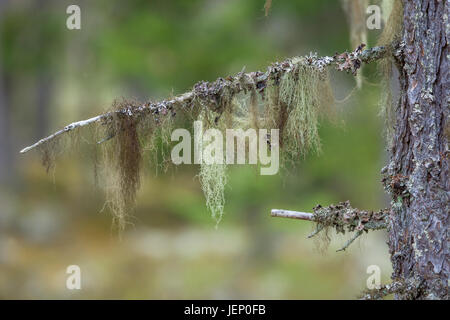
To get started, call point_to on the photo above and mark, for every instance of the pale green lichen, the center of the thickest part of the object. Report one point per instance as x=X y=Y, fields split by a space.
x=213 y=177
x=293 y=105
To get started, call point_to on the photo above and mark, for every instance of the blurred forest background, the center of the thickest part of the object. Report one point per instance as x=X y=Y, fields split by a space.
x=149 y=49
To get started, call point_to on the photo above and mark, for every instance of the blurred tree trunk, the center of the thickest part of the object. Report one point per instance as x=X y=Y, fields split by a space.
x=43 y=100
x=419 y=158
x=6 y=154
x=44 y=86
x=6 y=158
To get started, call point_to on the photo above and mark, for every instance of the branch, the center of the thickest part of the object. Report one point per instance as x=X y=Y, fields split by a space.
x=342 y=217
x=292 y=214
x=383 y=291
x=350 y=241
x=67 y=128
x=348 y=62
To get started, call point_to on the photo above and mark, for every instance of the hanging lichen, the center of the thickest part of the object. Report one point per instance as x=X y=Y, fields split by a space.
x=254 y=110
x=242 y=112
x=48 y=152
x=155 y=136
x=293 y=104
x=52 y=149
x=122 y=162
x=298 y=90
x=212 y=176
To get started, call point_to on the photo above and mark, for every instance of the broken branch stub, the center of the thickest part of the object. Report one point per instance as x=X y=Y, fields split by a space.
x=342 y=217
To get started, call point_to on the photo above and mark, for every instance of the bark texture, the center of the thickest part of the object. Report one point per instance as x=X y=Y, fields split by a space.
x=417 y=175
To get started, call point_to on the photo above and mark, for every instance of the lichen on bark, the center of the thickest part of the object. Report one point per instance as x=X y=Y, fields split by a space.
x=419 y=155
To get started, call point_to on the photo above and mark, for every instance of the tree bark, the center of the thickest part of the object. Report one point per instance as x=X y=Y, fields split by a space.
x=417 y=174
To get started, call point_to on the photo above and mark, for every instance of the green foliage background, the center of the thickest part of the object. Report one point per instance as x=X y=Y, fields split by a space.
x=150 y=50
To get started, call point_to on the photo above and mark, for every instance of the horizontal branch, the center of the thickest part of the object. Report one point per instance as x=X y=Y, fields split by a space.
x=341 y=217
x=349 y=62
x=67 y=128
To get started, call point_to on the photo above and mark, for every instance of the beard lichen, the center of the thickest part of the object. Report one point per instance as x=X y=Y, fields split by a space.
x=293 y=104
x=213 y=176
x=49 y=151
x=125 y=136
x=122 y=159
x=242 y=112
x=155 y=133
x=52 y=149
x=298 y=90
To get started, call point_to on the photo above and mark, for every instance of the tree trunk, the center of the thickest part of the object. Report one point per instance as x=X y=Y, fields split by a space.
x=419 y=157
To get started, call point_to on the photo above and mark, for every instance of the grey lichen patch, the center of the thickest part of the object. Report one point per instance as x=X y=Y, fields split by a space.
x=397 y=186
x=215 y=96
